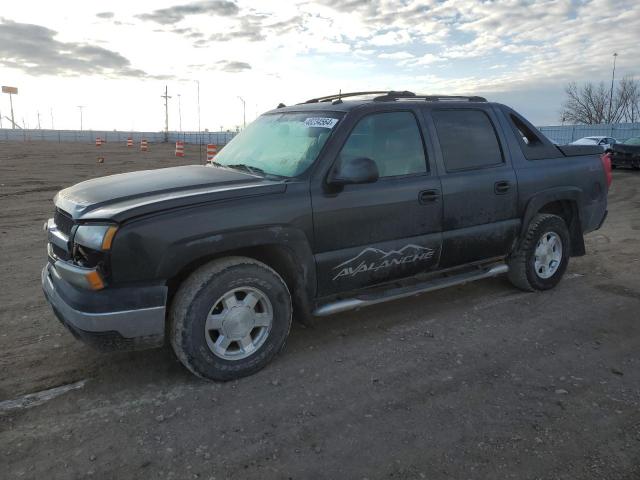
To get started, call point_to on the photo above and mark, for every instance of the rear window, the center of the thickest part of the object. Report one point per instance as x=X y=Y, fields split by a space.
x=467 y=139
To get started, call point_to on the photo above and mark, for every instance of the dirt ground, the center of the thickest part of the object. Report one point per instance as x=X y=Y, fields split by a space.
x=474 y=382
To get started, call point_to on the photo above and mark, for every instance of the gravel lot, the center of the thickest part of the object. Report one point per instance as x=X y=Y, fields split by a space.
x=479 y=381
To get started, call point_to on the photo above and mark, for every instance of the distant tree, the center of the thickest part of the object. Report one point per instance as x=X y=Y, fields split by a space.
x=592 y=103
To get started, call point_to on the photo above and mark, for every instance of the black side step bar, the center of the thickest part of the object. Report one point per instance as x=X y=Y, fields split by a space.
x=401 y=292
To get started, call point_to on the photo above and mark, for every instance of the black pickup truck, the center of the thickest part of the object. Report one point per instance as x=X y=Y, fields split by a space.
x=333 y=204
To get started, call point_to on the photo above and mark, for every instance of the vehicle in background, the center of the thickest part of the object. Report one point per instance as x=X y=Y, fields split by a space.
x=604 y=142
x=627 y=154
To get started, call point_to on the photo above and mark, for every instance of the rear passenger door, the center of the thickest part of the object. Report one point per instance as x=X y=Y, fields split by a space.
x=479 y=186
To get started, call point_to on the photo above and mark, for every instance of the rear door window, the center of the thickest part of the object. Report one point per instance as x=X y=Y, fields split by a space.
x=467 y=139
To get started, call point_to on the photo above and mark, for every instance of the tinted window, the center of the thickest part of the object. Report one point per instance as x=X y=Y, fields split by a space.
x=392 y=140
x=467 y=139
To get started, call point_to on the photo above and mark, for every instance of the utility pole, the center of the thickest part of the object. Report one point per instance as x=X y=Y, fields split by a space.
x=613 y=76
x=39 y=128
x=51 y=111
x=80 y=107
x=244 y=113
x=166 y=113
x=180 y=112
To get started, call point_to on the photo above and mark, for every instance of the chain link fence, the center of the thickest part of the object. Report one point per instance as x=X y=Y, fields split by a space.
x=89 y=136
x=563 y=134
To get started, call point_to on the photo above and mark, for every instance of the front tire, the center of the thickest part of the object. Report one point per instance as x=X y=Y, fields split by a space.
x=543 y=256
x=229 y=318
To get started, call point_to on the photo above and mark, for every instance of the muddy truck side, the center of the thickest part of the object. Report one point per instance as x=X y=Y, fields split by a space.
x=314 y=209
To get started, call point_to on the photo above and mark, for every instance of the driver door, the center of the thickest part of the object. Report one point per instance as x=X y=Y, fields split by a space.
x=366 y=234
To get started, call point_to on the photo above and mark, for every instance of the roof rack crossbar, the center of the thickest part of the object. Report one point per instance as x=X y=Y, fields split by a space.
x=336 y=96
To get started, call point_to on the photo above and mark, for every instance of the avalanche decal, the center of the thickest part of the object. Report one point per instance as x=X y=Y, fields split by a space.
x=373 y=259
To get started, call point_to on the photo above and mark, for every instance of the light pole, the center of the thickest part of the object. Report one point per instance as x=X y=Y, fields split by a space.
x=199 y=134
x=80 y=107
x=613 y=76
x=179 y=113
x=244 y=113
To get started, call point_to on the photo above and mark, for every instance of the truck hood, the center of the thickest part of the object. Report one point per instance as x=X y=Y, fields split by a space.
x=118 y=197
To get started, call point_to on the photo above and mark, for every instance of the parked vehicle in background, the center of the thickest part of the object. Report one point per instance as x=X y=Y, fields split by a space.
x=627 y=153
x=318 y=208
x=606 y=143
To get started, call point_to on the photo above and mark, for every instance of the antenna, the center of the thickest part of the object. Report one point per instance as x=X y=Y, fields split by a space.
x=166 y=113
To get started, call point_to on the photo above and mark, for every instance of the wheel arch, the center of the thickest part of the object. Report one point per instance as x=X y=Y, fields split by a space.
x=285 y=252
x=565 y=203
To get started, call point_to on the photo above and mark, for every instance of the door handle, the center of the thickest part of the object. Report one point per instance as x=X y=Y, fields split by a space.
x=427 y=196
x=501 y=187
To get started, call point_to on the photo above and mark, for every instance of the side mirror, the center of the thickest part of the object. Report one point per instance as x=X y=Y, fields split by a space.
x=354 y=170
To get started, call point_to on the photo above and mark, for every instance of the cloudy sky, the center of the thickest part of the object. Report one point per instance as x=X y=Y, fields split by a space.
x=116 y=57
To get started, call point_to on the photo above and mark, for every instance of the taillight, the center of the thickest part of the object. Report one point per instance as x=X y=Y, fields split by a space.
x=606 y=164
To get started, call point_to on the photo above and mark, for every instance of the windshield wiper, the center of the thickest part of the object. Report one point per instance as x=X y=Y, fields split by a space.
x=248 y=168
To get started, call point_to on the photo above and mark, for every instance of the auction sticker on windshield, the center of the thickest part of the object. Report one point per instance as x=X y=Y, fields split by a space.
x=320 y=122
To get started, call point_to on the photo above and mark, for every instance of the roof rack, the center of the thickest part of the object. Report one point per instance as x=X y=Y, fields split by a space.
x=339 y=96
x=392 y=95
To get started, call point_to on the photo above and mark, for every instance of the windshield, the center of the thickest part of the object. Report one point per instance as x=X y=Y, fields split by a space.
x=282 y=144
x=633 y=141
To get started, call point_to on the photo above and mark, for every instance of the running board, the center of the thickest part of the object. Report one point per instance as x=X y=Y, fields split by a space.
x=401 y=292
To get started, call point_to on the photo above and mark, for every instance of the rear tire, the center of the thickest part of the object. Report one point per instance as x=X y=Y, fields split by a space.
x=543 y=256
x=229 y=318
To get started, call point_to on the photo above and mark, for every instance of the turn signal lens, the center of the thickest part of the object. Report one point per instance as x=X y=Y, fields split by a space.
x=94 y=280
x=108 y=238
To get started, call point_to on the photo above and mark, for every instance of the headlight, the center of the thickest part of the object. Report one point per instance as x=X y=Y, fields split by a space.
x=96 y=237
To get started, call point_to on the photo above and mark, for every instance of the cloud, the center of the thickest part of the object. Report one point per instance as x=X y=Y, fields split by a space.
x=250 y=29
x=104 y=15
x=33 y=49
x=389 y=39
x=232 y=66
x=177 y=13
x=256 y=28
x=396 y=55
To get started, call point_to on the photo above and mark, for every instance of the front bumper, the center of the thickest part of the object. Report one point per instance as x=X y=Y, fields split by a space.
x=125 y=318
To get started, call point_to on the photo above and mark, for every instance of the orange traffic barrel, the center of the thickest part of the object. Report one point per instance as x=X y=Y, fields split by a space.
x=179 y=149
x=129 y=142
x=212 y=150
x=144 y=146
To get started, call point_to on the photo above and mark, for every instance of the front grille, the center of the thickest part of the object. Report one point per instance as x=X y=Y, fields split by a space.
x=63 y=221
